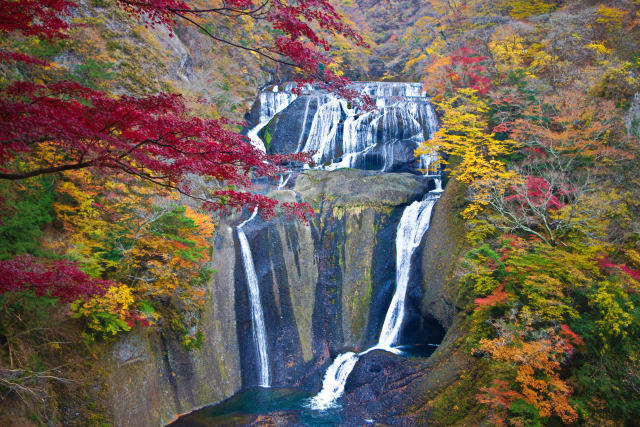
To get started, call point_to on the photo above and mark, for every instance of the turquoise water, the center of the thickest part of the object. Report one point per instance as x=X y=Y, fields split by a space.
x=278 y=406
x=284 y=405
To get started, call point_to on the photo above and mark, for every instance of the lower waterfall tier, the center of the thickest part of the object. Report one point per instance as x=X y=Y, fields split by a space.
x=324 y=288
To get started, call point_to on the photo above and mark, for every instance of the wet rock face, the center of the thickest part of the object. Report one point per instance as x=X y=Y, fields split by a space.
x=324 y=287
x=287 y=131
x=339 y=134
x=376 y=387
x=351 y=188
x=396 y=390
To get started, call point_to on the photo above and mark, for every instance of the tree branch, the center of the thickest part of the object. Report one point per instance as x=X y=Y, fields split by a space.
x=43 y=171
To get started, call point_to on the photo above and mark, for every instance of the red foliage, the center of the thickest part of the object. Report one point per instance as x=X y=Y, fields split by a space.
x=499 y=398
x=570 y=337
x=501 y=128
x=7 y=56
x=471 y=73
x=43 y=18
x=605 y=263
x=152 y=138
x=496 y=297
x=59 y=279
x=535 y=152
x=536 y=193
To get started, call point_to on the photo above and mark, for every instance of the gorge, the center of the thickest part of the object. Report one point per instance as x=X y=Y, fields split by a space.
x=339 y=283
x=319 y=213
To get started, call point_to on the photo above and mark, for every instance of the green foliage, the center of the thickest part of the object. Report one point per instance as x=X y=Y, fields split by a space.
x=45 y=49
x=93 y=73
x=26 y=210
x=267 y=139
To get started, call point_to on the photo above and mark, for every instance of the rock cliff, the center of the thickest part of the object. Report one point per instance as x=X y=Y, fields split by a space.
x=325 y=287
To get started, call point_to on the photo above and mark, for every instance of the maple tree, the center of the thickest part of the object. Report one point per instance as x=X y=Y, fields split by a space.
x=57 y=279
x=101 y=172
x=538 y=357
x=154 y=137
x=463 y=68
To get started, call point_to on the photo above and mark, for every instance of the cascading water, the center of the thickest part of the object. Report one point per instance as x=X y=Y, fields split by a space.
x=334 y=381
x=258 y=329
x=414 y=223
x=340 y=134
x=271 y=103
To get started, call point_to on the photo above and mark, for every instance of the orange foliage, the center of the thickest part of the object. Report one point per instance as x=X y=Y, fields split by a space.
x=499 y=398
x=538 y=359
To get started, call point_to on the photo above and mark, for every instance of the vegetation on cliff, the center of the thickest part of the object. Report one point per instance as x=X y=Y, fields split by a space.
x=109 y=176
x=106 y=176
x=534 y=97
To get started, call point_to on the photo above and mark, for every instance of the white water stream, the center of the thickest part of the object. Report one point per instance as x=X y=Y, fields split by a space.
x=271 y=103
x=412 y=227
x=339 y=136
x=258 y=329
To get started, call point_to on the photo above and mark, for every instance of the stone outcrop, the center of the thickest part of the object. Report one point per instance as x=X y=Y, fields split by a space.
x=324 y=287
x=632 y=119
x=397 y=389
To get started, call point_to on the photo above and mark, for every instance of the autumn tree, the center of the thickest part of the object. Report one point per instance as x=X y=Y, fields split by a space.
x=465 y=137
x=549 y=284
x=154 y=138
x=91 y=179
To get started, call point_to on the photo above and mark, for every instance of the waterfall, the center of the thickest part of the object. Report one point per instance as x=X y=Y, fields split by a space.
x=340 y=134
x=283 y=181
x=271 y=103
x=334 y=381
x=304 y=124
x=258 y=329
x=414 y=223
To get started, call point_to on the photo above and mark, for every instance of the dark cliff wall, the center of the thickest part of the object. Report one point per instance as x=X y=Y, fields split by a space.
x=398 y=389
x=324 y=287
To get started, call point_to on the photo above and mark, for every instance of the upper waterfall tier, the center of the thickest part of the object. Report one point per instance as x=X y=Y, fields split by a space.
x=340 y=134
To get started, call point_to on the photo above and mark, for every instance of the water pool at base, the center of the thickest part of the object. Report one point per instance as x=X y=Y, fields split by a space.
x=281 y=406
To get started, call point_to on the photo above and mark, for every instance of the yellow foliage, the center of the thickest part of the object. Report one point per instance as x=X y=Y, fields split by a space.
x=410 y=63
x=117 y=300
x=611 y=16
x=599 y=48
x=464 y=135
x=508 y=49
x=520 y=9
x=131 y=233
x=615 y=309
